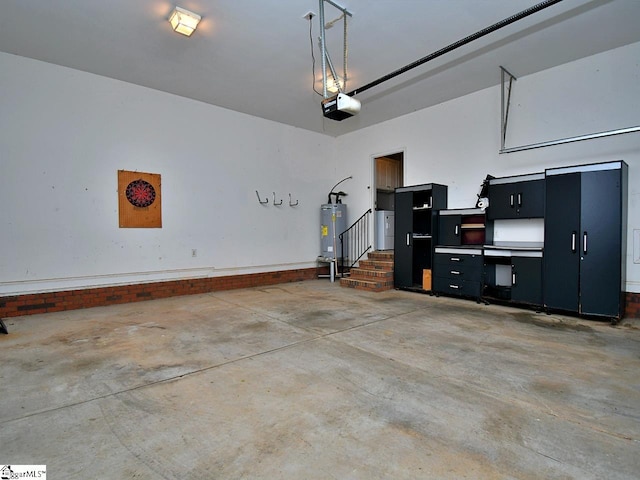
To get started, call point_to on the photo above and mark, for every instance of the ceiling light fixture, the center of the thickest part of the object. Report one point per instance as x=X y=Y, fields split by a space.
x=334 y=85
x=183 y=21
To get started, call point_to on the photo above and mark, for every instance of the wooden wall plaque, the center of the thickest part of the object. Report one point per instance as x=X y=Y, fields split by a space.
x=139 y=200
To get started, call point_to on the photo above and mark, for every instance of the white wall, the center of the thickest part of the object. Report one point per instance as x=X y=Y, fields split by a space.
x=457 y=143
x=64 y=134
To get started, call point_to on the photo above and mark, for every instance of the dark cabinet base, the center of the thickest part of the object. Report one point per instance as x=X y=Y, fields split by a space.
x=457 y=271
x=513 y=279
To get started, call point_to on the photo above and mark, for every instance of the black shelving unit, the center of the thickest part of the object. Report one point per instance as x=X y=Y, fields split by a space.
x=415 y=229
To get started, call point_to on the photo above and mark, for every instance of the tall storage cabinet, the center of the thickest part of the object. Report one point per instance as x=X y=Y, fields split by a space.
x=415 y=229
x=585 y=239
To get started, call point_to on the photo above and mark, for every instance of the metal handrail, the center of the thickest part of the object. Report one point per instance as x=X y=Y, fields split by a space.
x=356 y=238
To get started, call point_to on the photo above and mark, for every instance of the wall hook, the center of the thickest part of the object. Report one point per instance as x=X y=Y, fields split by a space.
x=292 y=204
x=266 y=200
x=274 y=199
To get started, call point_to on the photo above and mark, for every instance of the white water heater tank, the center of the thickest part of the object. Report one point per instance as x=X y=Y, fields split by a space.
x=333 y=221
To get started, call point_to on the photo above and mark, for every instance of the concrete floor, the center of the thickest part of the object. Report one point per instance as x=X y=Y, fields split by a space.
x=313 y=381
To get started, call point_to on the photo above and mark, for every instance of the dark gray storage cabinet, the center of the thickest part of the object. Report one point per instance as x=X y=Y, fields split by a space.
x=415 y=229
x=519 y=196
x=449 y=230
x=585 y=239
x=462 y=226
x=513 y=275
x=458 y=271
x=526 y=283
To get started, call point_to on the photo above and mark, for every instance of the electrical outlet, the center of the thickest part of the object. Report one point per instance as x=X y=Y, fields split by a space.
x=309 y=15
x=636 y=246
x=194 y=252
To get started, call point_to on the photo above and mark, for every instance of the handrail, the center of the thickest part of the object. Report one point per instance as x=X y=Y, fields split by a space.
x=356 y=238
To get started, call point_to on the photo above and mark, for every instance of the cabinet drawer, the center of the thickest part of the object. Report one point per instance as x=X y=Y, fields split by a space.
x=460 y=271
x=458 y=259
x=466 y=288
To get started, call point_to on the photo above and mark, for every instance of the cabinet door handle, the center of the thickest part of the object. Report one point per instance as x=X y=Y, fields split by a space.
x=584 y=243
x=408 y=239
x=519 y=199
x=456 y=230
x=574 y=236
x=454 y=259
x=454 y=286
x=511 y=200
x=513 y=278
x=454 y=272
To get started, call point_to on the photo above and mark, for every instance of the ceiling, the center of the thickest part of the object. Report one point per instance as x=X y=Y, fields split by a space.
x=255 y=56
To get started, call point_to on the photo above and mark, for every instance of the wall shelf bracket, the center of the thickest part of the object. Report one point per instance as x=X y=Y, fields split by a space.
x=506 y=85
x=505 y=102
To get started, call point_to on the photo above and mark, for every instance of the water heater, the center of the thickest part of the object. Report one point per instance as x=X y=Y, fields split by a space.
x=333 y=221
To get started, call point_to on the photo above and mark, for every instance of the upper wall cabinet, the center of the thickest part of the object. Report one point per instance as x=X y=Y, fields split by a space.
x=464 y=226
x=388 y=174
x=516 y=197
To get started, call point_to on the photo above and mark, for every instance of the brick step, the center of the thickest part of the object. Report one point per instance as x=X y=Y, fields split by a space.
x=381 y=255
x=377 y=265
x=368 y=285
x=365 y=274
x=375 y=274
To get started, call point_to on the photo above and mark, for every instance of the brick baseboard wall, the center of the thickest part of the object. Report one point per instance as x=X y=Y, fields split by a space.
x=632 y=306
x=18 y=305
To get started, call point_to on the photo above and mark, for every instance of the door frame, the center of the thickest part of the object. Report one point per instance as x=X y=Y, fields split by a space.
x=373 y=190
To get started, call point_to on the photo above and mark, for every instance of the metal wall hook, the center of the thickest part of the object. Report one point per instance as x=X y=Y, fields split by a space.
x=259 y=200
x=293 y=204
x=274 y=199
